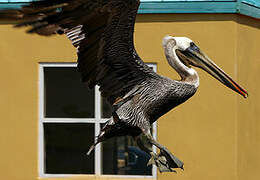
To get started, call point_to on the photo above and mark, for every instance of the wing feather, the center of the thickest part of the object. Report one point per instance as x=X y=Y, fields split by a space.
x=101 y=30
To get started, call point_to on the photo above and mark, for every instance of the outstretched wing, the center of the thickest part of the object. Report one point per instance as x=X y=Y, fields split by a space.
x=101 y=30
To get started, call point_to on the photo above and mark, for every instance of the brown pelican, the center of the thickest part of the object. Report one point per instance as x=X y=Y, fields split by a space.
x=102 y=32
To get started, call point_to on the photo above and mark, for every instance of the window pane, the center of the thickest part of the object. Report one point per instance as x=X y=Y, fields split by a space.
x=65 y=95
x=66 y=145
x=106 y=109
x=121 y=156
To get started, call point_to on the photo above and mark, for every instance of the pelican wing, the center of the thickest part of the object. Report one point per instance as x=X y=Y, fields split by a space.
x=102 y=32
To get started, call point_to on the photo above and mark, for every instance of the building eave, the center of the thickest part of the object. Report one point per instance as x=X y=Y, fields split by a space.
x=187 y=7
x=246 y=7
x=249 y=8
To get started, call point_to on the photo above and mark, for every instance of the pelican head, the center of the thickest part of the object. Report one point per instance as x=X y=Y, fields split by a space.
x=182 y=53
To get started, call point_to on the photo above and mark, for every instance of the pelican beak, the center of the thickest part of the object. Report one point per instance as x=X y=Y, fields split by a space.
x=195 y=57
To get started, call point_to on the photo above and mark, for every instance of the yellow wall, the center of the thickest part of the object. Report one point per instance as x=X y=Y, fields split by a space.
x=216 y=133
x=248 y=116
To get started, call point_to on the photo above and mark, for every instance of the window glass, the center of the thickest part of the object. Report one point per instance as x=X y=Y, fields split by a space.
x=121 y=156
x=66 y=145
x=106 y=109
x=65 y=95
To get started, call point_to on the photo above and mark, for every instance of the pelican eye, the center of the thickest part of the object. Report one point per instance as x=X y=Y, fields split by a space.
x=194 y=47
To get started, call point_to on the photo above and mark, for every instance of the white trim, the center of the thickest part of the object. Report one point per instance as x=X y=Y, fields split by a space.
x=128 y=176
x=68 y=120
x=97 y=130
x=95 y=176
x=97 y=120
x=52 y=64
x=40 y=124
x=73 y=120
x=154 y=170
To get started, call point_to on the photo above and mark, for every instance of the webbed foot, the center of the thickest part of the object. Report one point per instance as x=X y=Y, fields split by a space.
x=165 y=160
x=171 y=160
x=160 y=162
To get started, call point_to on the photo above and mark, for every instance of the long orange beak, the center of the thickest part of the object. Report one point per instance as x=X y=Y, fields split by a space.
x=199 y=59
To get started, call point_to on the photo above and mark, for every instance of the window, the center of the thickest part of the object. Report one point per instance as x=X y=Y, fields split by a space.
x=70 y=118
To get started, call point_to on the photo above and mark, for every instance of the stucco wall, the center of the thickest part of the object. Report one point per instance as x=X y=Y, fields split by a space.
x=215 y=133
x=248 y=115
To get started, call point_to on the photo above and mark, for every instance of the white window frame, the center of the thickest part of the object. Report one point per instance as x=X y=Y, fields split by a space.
x=97 y=120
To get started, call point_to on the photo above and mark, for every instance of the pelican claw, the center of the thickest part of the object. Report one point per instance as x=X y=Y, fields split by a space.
x=151 y=161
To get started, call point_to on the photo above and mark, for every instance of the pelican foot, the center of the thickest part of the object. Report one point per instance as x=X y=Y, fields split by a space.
x=170 y=160
x=160 y=162
x=165 y=161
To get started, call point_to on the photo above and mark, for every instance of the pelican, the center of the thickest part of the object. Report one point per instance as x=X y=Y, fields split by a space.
x=102 y=32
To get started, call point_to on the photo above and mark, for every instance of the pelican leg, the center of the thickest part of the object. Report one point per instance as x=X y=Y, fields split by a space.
x=165 y=161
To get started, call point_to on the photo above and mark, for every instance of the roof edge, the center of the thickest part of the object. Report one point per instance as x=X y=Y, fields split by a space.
x=249 y=9
x=245 y=7
x=188 y=7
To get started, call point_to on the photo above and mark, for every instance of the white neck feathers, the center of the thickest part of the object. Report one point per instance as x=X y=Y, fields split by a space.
x=188 y=75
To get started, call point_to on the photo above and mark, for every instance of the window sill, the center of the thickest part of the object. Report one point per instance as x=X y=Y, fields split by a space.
x=110 y=177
